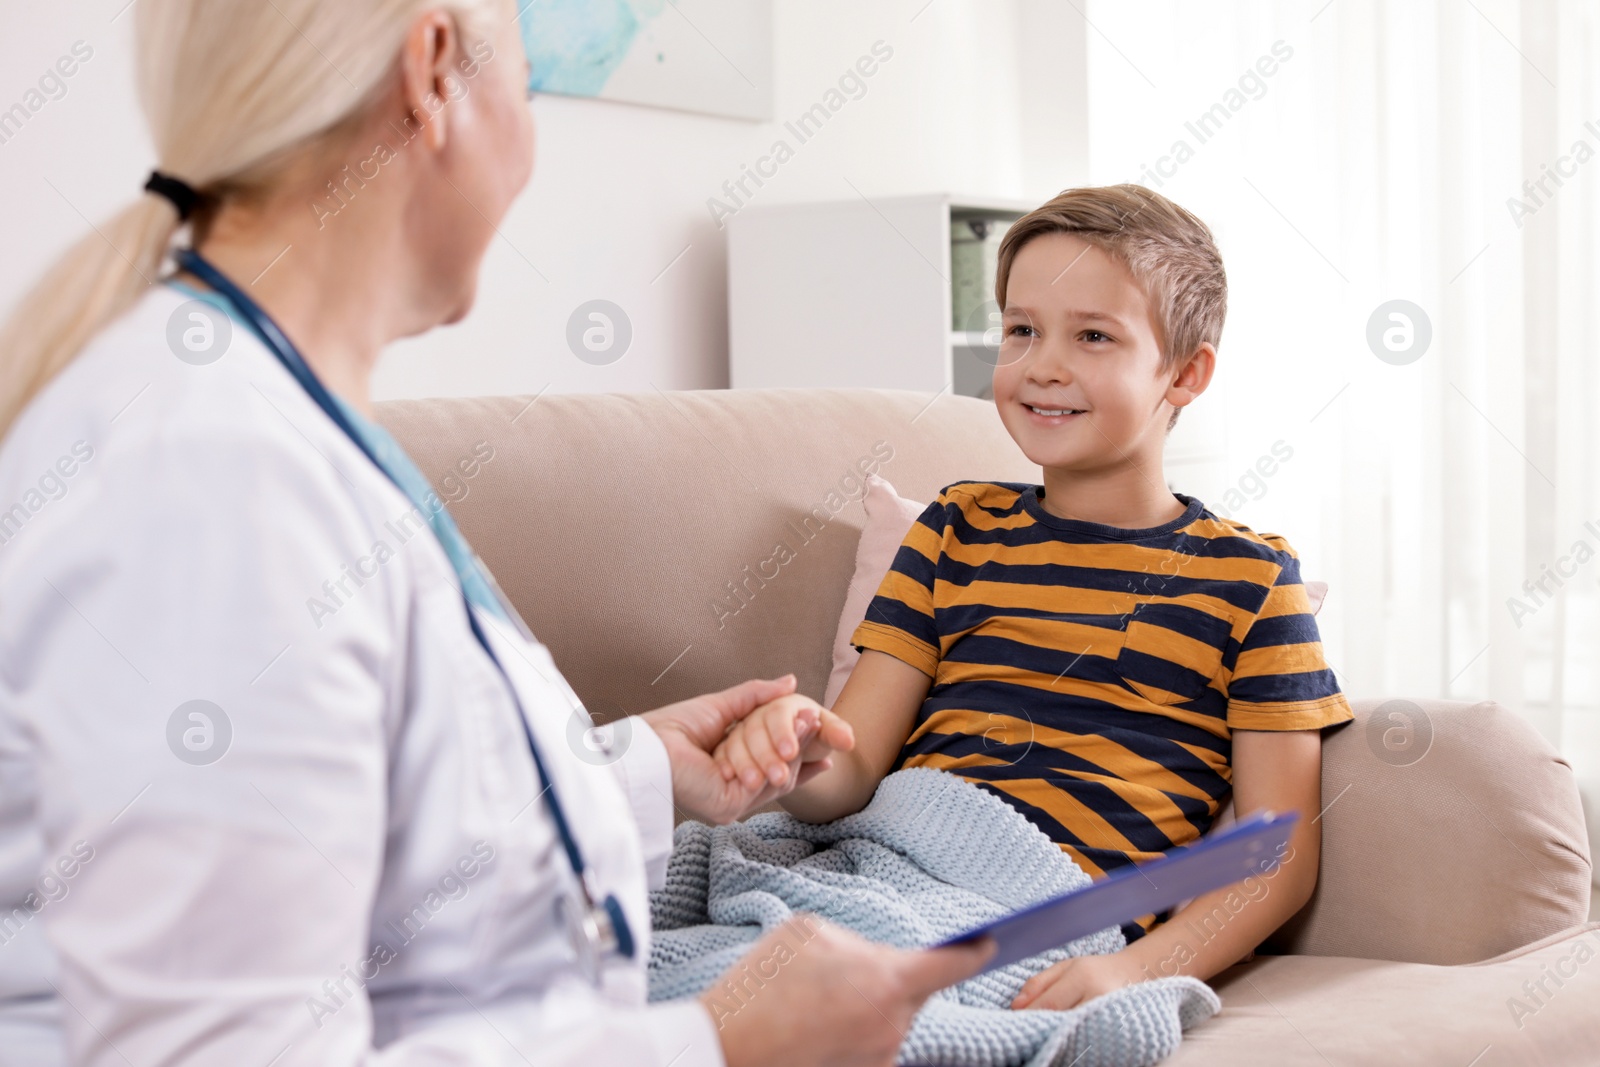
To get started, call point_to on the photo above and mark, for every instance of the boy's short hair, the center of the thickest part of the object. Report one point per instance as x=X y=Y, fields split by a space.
x=1169 y=252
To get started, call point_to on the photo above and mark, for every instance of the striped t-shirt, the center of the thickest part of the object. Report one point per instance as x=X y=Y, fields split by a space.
x=1091 y=675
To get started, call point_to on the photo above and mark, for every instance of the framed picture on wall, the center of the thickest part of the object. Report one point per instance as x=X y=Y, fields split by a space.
x=710 y=56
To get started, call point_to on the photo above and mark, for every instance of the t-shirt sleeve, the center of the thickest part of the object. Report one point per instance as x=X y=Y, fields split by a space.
x=1281 y=680
x=900 y=620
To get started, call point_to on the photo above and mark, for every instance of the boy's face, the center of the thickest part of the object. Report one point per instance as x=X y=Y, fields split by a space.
x=1079 y=336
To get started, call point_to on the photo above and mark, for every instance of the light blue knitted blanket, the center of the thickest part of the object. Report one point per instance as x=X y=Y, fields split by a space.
x=930 y=857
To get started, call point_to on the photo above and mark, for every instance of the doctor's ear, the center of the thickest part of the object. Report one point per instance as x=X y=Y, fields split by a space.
x=428 y=78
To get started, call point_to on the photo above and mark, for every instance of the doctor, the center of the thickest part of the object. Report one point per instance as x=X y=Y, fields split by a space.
x=237 y=831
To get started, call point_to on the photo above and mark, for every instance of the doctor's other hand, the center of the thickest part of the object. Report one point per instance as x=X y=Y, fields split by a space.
x=810 y=993
x=692 y=729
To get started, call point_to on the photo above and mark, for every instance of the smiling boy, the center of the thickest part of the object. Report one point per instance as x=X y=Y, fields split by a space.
x=1107 y=656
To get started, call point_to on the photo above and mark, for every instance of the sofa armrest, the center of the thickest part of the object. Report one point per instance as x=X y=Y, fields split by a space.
x=1451 y=833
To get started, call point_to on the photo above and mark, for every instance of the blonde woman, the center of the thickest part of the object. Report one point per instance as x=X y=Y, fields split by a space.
x=235 y=832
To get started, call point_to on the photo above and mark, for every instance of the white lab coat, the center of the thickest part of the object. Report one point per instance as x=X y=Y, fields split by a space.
x=367 y=874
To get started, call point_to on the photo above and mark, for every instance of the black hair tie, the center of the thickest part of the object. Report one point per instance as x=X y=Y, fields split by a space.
x=181 y=193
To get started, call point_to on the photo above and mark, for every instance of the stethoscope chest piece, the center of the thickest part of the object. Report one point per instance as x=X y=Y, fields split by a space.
x=594 y=930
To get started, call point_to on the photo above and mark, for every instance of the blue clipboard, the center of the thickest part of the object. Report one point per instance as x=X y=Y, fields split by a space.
x=1251 y=846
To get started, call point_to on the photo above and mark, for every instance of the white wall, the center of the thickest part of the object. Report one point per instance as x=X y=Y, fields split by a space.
x=981 y=97
x=81 y=157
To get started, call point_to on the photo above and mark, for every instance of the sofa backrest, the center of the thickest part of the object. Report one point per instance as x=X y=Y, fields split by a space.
x=669 y=544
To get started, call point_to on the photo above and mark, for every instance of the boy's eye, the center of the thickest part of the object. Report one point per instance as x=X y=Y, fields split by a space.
x=1094 y=336
x=1020 y=330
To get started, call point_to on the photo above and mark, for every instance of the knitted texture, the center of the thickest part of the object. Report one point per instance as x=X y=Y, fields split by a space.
x=931 y=856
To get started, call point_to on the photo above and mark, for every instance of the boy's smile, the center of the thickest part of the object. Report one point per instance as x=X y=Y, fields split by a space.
x=1055 y=417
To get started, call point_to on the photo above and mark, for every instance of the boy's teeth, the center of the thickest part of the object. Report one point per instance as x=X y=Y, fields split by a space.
x=1054 y=411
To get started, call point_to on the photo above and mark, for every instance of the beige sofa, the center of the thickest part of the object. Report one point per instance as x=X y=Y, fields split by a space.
x=639 y=536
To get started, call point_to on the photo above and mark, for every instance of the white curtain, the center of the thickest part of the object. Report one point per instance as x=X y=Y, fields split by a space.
x=1356 y=153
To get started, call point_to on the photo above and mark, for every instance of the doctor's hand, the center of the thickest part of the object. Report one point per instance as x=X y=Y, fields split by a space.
x=692 y=729
x=810 y=993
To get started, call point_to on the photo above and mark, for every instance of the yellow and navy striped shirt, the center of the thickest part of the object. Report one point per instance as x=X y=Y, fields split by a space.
x=1091 y=675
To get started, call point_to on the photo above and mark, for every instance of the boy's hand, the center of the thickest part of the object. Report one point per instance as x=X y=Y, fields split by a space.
x=781 y=741
x=1069 y=983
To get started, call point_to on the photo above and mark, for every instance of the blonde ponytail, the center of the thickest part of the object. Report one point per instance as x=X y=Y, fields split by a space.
x=232 y=90
x=94 y=282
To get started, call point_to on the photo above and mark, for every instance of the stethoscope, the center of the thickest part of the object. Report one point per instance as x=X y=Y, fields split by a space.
x=594 y=929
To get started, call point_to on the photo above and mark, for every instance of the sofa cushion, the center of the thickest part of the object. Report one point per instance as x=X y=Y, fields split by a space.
x=1535 y=1005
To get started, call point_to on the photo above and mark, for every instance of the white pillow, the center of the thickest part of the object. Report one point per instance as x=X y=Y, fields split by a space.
x=889 y=519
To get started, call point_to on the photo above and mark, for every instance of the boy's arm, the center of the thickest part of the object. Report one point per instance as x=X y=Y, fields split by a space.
x=880 y=703
x=1276 y=769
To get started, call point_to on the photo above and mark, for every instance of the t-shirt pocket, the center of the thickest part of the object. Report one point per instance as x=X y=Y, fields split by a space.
x=1172 y=651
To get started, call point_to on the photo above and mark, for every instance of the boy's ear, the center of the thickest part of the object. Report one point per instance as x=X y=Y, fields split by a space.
x=1191 y=378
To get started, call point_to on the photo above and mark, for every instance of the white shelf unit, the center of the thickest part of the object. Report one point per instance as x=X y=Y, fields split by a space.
x=852 y=294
